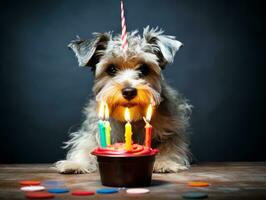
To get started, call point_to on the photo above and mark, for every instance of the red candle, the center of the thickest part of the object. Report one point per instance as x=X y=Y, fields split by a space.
x=148 y=127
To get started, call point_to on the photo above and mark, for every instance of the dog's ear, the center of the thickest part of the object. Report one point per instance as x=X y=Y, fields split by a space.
x=164 y=46
x=89 y=52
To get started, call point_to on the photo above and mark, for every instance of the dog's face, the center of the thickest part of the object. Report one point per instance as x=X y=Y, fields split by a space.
x=132 y=82
x=127 y=78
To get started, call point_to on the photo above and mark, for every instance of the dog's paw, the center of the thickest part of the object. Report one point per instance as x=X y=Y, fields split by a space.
x=71 y=167
x=168 y=167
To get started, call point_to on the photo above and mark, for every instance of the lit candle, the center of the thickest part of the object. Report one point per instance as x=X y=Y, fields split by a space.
x=148 y=127
x=128 y=131
x=107 y=126
x=102 y=126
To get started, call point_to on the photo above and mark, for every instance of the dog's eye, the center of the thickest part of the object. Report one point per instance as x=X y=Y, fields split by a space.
x=144 y=70
x=111 y=70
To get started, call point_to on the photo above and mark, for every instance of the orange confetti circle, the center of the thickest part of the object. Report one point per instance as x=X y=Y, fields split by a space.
x=198 y=184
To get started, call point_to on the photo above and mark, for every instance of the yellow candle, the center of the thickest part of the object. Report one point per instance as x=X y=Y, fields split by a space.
x=107 y=132
x=128 y=131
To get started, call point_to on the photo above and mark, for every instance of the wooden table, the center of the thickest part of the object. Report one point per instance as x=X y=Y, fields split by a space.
x=228 y=181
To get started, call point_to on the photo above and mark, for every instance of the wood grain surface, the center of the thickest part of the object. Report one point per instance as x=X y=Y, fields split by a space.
x=240 y=180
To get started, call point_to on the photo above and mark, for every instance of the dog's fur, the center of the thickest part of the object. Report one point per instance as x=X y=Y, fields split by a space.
x=170 y=118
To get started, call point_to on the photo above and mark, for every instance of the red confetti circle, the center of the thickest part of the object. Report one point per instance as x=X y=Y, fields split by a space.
x=82 y=193
x=39 y=195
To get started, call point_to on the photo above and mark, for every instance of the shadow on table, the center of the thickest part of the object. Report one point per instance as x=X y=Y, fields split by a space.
x=155 y=183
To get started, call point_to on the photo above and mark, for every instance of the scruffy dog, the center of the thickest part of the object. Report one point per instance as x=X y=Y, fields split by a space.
x=131 y=78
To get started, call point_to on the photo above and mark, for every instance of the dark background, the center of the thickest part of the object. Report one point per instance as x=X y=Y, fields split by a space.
x=220 y=70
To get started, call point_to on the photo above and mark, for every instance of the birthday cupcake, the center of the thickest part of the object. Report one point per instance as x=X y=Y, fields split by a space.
x=125 y=164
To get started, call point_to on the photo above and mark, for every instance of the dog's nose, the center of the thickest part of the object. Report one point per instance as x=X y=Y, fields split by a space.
x=129 y=93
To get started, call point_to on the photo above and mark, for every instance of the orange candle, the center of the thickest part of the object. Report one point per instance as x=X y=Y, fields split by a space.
x=148 y=127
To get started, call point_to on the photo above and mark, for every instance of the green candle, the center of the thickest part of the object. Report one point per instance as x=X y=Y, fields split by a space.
x=101 y=126
x=107 y=126
x=102 y=134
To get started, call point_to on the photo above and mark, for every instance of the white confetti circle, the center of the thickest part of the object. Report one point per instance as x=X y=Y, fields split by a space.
x=137 y=191
x=32 y=188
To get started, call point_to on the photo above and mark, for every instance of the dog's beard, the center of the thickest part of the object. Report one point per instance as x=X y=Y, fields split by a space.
x=111 y=94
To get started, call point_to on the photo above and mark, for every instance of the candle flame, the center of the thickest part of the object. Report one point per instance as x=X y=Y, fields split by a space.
x=149 y=113
x=106 y=111
x=101 y=110
x=127 y=115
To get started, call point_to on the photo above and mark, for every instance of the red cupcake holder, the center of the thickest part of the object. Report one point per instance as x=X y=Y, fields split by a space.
x=120 y=168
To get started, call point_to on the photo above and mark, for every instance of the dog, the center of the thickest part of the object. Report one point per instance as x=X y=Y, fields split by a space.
x=131 y=78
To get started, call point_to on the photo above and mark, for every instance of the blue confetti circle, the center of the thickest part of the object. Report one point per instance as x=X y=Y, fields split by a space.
x=107 y=191
x=58 y=190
